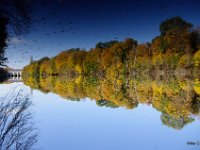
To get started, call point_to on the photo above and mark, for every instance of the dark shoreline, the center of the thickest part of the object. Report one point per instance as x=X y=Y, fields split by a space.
x=3 y=75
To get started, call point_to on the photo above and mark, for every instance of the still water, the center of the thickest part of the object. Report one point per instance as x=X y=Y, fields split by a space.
x=79 y=116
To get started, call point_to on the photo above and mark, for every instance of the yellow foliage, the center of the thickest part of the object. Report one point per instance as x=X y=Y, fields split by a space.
x=78 y=68
x=157 y=89
x=197 y=86
x=184 y=61
x=196 y=59
x=157 y=59
x=78 y=80
x=183 y=85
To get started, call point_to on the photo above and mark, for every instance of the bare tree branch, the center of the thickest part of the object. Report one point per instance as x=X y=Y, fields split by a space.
x=16 y=127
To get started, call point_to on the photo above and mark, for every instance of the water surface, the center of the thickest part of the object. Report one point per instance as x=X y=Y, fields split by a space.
x=71 y=120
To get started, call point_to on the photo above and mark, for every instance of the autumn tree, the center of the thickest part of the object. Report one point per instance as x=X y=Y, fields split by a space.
x=174 y=47
x=174 y=25
x=45 y=67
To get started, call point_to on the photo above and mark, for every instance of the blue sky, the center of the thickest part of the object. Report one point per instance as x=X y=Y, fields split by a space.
x=62 y=24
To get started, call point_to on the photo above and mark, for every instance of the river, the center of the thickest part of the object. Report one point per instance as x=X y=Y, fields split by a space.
x=61 y=122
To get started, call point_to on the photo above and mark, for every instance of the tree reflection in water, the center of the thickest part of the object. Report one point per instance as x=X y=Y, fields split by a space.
x=177 y=98
x=176 y=123
x=16 y=127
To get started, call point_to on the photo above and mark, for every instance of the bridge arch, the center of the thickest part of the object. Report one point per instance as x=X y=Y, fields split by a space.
x=15 y=74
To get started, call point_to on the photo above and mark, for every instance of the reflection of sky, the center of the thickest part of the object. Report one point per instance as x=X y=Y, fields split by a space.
x=82 y=125
x=64 y=124
x=87 y=22
x=8 y=91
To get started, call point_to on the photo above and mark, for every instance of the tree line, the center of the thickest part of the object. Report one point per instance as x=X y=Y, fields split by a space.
x=177 y=46
x=177 y=98
x=126 y=73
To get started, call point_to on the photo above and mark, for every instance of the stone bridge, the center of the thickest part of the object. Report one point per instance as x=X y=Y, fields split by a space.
x=16 y=74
